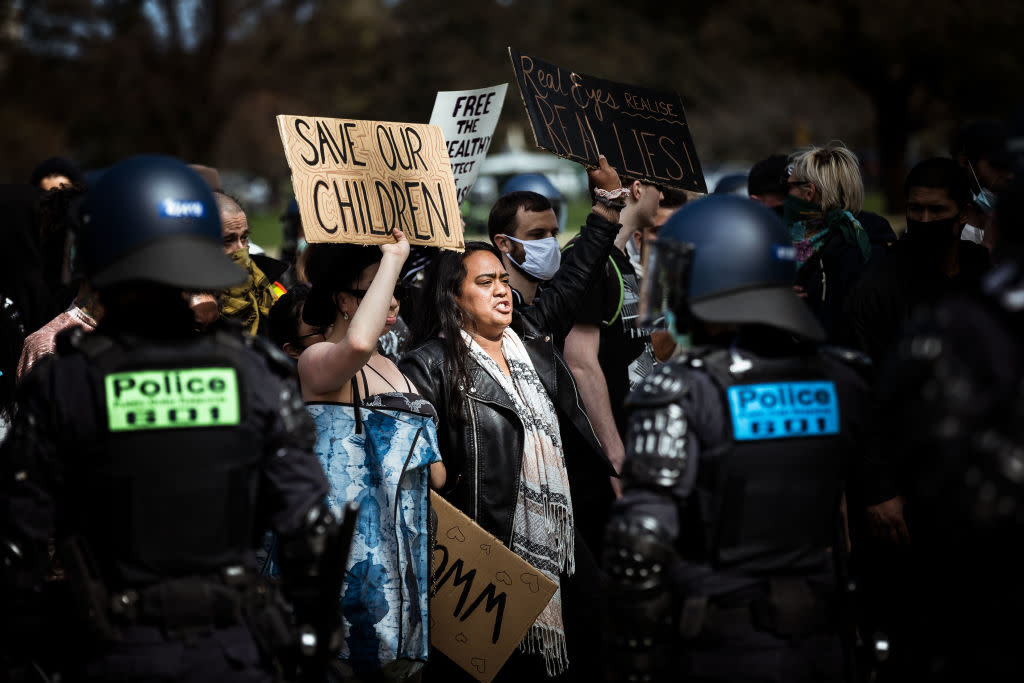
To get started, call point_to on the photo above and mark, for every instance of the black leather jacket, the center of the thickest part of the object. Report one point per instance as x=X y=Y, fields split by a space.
x=483 y=448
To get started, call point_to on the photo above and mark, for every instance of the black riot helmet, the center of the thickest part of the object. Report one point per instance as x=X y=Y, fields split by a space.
x=153 y=219
x=726 y=259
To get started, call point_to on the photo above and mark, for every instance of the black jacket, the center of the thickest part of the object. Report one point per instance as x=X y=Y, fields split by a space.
x=885 y=298
x=483 y=448
x=827 y=278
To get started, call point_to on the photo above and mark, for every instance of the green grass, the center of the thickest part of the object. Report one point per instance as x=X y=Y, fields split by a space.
x=265 y=230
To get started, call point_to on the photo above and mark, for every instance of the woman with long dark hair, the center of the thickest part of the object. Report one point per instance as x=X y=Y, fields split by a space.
x=519 y=449
x=377 y=441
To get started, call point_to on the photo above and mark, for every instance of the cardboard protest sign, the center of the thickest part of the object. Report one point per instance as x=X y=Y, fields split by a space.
x=356 y=180
x=483 y=597
x=468 y=119
x=642 y=132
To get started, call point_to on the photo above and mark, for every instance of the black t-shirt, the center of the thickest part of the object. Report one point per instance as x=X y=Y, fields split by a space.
x=614 y=307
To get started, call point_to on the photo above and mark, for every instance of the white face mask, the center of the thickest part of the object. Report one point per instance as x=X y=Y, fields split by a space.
x=543 y=257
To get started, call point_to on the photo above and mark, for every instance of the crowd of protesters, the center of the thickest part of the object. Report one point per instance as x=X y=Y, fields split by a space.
x=498 y=376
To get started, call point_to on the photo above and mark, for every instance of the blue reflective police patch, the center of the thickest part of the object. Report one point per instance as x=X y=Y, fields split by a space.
x=784 y=253
x=784 y=410
x=178 y=208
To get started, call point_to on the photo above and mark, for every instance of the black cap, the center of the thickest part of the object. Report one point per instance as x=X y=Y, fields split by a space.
x=769 y=176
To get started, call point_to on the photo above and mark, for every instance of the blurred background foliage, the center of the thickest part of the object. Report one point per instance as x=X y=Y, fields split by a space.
x=97 y=80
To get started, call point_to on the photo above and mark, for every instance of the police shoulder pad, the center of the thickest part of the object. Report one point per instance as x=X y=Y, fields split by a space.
x=76 y=339
x=666 y=383
x=69 y=340
x=848 y=356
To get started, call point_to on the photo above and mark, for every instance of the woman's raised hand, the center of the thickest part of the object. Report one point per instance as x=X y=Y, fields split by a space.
x=399 y=248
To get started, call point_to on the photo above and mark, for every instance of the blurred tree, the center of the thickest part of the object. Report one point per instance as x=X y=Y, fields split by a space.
x=130 y=76
x=202 y=80
x=909 y=59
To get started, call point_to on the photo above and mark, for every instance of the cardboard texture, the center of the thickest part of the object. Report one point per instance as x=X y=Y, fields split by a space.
x=356 y=180
x=483 y=597
x=468 y=119
x=643 y=132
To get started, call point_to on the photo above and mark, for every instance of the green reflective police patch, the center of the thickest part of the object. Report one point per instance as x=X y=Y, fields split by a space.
x=163 y=399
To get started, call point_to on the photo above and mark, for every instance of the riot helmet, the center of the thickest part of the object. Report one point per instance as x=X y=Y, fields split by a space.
x=542 y=185
x=725 y=259
x=153 y=219
x=733 y=183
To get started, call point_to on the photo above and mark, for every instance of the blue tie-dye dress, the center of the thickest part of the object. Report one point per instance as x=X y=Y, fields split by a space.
x=379 y=457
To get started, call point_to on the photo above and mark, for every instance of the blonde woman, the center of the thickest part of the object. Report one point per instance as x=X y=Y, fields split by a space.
x=826 y=193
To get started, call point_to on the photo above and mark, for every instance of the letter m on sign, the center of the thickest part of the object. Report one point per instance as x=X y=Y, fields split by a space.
x=493 y=601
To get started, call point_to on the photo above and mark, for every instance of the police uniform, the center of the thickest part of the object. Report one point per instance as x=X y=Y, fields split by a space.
x=951 y=418
x=154 y=459
x=720 y=553
x=158 y=465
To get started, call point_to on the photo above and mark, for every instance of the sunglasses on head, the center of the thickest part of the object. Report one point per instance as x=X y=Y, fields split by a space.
x=401 y=289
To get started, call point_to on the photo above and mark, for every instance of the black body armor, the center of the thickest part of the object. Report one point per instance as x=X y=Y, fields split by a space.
x=155 y=468
x=734 y=471
x=173 y=474
x=951 y=427
x=775 y=492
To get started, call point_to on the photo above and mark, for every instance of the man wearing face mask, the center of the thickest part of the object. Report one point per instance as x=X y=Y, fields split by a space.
x=982 y=147
x=524 y=228
x=249 y=302
x=928 y=262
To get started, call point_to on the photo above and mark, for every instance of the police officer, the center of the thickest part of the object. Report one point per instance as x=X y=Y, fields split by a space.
x=947 y=484
x=155 y=458
x=720 y=553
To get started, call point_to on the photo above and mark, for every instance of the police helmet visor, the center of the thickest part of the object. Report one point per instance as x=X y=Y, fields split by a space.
x=777 y=306
x=666 y=283
x=179 y=261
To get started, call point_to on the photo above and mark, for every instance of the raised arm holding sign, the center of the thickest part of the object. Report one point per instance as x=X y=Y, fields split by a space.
x=356 y=181
x=643 y=132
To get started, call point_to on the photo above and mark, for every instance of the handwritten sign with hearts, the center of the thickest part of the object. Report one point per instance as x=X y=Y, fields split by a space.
x=532 y=580
x=483 y=597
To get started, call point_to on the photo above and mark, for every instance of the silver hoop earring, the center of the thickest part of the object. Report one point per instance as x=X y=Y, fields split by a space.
x=344 y=315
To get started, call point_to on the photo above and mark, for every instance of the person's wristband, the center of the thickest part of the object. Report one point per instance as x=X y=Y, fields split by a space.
x=617 y=193
x=617 y=205
x=613 y=199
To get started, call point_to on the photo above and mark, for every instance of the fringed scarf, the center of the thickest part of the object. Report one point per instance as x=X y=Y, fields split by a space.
x=810 y=228
x=249 y=302
x=542 y=528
